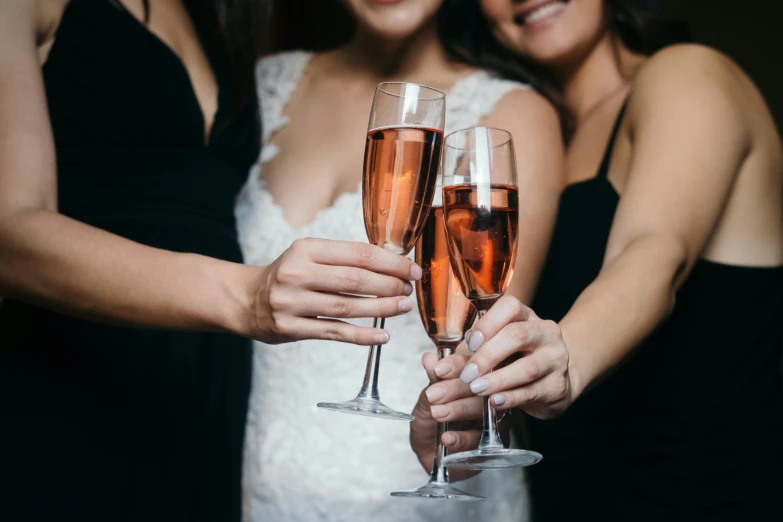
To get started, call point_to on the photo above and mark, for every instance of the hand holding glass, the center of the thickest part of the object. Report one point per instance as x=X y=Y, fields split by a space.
x=481 y=207
x=401 y=162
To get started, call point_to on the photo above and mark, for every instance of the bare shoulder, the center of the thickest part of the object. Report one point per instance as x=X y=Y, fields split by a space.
x=692 y=55
x=691 y=73
x=524 y=108
x=278 y=74
x=688 y=83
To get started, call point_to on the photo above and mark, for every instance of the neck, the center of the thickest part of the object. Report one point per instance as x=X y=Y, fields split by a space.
x=411 y=59
x=597 y=77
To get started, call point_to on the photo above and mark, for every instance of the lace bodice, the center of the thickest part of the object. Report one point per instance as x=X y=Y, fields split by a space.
x=303 y=464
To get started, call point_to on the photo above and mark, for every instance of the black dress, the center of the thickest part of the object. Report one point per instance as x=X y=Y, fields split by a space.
x=101 y=423
x=690 y=427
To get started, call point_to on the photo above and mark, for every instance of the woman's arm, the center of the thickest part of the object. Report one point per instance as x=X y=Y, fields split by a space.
x=57 y=262
x=690 y=137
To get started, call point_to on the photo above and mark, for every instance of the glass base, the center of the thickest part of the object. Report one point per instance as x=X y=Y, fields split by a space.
x=492 y=458
x=439 y=491
x=366 y=407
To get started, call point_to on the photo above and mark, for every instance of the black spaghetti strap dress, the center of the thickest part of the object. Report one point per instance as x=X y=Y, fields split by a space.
x=690 y=427
x=100 y=423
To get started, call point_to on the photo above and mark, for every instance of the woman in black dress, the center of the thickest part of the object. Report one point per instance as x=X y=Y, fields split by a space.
x=119 y=249
x=658 y=325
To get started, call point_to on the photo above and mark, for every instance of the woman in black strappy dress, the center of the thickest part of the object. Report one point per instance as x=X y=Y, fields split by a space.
x=658 y=325
x=124 y=372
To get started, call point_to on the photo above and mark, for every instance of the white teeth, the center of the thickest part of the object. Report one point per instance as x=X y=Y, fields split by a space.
x=544 y=11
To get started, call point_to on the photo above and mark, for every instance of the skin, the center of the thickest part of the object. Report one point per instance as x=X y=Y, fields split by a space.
x=715 y=195
x=57 y=262
x=399 y=42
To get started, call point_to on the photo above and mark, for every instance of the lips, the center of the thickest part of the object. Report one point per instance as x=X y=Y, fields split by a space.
x=533 y=12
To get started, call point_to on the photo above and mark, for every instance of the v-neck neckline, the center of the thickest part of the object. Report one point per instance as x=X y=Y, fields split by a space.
x=206 y=135
x=341 y=197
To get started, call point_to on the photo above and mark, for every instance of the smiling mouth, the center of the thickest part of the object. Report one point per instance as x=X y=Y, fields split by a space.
x=539 y=11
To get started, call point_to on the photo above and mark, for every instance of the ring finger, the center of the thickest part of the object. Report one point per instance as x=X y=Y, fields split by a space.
x=443 y=392
x=317 y=304
x=520 y=373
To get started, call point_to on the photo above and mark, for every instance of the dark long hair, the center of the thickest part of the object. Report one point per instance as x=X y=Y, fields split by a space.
x=466 y=36
x=237 y=29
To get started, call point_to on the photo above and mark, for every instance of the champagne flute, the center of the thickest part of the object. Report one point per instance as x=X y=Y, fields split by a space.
x=401 y=161
x=446 y=313
x=481 y=208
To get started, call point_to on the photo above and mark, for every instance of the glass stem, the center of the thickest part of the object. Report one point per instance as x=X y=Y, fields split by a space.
x=490 y=435
x=369 y=389
x=439 y=474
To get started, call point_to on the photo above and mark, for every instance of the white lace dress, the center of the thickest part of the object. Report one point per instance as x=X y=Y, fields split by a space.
x=303 y=464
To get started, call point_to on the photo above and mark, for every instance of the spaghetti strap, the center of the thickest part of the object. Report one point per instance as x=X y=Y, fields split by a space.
x=603 y=170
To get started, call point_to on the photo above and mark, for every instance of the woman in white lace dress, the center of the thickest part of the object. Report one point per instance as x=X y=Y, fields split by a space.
x=304 y=464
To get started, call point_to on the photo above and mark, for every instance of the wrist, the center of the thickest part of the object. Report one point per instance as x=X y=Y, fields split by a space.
x=577 y=372
x=239 y=286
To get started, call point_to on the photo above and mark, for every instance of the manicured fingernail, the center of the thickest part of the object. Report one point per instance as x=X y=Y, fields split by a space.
x=499 y=400
x=479 y=385
x=475 y=340
x=435 y=393
x=449 y=439
x=407 y=288
x=442 y=368
x=469 y=373
x=415 y=272
x=405 y=305
x=439 y=410
x=381 y=338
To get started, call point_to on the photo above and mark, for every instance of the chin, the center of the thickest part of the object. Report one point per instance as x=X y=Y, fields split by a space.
x=557 y=50
x=392 y=19
x=392 y=34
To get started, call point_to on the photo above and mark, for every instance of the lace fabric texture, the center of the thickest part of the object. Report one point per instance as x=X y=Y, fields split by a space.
x=304 y=464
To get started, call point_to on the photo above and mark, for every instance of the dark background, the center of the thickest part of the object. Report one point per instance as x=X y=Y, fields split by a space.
x=743 y=30
x=747 y=31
